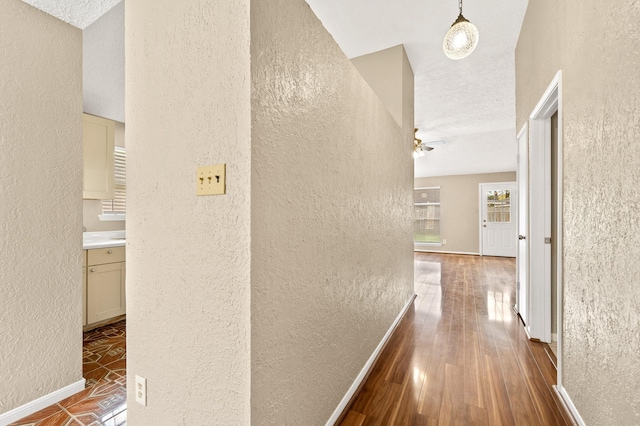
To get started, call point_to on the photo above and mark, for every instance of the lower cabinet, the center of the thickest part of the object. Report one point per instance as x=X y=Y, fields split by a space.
x=105 y=284
x=84 y=291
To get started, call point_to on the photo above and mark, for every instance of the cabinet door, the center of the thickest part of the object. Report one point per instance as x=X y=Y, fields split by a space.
x=84 y=287
x=105 y=291
x=84 y=295
x=98 y=139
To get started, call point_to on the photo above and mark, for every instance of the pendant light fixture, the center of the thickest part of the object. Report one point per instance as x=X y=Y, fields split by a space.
x=461 y=39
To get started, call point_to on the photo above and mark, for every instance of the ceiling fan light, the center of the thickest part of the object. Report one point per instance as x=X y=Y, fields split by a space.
x=461 y=39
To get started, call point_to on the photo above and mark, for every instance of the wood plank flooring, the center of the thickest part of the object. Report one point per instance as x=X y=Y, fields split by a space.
x=460 y=355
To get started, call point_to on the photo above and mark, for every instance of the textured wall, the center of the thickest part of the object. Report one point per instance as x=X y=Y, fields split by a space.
x=459 y=204
x=332 y=261
x=389 y=74
x=188 y=307
x=40 y=204
x=597 y=45
x=408 y=100
x=383 y=72
x=103 y=65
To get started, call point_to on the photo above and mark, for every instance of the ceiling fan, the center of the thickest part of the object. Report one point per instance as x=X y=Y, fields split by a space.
x=421 y=148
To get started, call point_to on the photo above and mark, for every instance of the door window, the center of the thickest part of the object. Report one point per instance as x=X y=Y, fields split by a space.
x=499 y=206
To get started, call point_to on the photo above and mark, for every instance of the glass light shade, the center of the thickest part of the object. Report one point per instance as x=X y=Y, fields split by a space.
x=461 y=39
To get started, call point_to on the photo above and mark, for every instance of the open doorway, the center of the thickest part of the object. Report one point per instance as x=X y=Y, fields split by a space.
x=540 y=258
x=522 y=256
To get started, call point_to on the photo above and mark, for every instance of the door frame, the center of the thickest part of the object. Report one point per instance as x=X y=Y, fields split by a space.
x=522 y=286
x=539 y=181
x=514 y=203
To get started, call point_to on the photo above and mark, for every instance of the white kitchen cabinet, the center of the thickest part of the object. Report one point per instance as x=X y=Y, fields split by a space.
x=105 y=284
x=84 y=287
x=98 y=140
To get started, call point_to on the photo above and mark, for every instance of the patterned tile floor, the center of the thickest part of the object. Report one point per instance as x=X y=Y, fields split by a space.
x=104 y=400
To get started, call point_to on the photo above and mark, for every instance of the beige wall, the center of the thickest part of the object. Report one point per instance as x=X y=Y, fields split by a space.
x=389 y=74
x=188 y=258
x=597 y=46
x=332 y=261
x=459 y=204
x=92 y=208
x=40 y=204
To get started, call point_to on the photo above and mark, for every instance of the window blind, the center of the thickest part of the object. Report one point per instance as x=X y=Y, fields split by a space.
x=118 y=204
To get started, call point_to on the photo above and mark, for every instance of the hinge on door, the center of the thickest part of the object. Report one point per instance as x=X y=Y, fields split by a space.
x=547 y=240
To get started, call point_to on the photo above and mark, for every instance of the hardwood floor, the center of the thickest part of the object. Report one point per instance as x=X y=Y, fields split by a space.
x=460 y=355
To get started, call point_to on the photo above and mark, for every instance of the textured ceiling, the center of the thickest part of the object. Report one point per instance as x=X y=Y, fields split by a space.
x=79 y=13
x=470 y=103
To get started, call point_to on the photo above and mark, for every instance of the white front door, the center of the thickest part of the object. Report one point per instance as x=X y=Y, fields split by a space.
x=498 y=219
x=522 y=263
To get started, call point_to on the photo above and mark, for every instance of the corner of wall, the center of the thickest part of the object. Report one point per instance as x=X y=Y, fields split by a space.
x=332 y=258
x=40 y=211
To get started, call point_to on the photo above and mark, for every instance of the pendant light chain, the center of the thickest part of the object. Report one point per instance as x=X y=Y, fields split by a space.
x=460 y=6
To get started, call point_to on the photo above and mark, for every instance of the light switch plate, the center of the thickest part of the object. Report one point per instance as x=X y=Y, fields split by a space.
x=211 y=180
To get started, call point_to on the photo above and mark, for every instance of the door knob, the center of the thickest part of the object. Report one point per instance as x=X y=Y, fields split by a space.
x=522 y=237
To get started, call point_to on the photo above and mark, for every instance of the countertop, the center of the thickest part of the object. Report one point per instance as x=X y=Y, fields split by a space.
x=103 y=239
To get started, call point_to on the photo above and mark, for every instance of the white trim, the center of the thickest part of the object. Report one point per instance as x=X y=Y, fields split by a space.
x=368 y=365
x=522 y=209
x=564 y=396
x=112 y=217
x=427 y=244
x=526 y=331
x=540 y=206
x=446 y=252
x=548 y=103
x=40 y=403
x=559 y=234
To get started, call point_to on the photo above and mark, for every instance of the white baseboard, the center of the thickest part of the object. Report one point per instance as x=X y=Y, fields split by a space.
x=427 y=250
x=40 y=403
x=365 y=370
x=564 y=396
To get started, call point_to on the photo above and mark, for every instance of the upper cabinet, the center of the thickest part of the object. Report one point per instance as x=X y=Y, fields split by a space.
x=98 y=142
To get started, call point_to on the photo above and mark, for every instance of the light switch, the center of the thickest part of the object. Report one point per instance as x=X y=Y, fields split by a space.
x=211 y=180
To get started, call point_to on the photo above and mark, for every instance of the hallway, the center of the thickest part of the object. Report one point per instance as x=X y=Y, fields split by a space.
x=460 y=356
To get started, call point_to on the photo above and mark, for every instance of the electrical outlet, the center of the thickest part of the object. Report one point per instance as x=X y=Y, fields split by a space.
x=141 y=390
x=211 y=180
x=444 y=241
